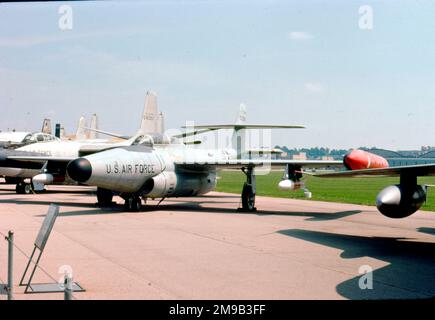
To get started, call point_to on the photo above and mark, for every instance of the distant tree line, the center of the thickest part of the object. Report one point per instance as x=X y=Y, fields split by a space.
x=315 y=153
x=319 y=152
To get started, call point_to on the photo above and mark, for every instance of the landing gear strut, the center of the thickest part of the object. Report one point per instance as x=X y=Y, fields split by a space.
x=249 y=191
x=294 y=173
x=104 y=197
x=133 y=203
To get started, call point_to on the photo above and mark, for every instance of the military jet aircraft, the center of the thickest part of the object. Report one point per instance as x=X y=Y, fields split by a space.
x=163 y=168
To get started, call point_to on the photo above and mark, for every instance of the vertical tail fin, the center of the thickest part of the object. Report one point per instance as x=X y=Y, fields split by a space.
x=238 y=135
x=46 y=126
x=94 y=125
x=81 y=131
x=241 y=117
x=151 y=121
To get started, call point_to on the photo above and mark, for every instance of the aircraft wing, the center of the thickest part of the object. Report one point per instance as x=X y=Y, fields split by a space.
x=416 y=170
x=246 y=126
x=241 y=163
x=39 y=158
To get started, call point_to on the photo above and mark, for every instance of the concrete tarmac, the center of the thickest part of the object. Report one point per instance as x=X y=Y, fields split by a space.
x=201 y=248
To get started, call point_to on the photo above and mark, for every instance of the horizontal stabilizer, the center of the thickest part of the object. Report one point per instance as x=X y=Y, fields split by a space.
x=108 y=133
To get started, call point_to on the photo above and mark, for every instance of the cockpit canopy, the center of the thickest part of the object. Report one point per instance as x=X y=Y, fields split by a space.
x=39 y=137
x=150 y=140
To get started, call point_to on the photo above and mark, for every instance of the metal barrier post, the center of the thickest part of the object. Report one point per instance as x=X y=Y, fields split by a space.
x=10 y=287
x=68 y=287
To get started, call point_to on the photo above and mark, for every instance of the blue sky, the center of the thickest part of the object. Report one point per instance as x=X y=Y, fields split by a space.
x=289 y=62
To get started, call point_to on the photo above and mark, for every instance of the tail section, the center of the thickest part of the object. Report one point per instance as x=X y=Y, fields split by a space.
x=152 y=123
x=241 y=117
x=46 y=126
x=152 y=120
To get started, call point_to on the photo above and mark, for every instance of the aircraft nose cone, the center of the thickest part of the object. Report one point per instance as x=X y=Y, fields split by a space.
x=79 y=169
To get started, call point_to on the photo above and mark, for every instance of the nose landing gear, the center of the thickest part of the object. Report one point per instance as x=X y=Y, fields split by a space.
x=104 y=197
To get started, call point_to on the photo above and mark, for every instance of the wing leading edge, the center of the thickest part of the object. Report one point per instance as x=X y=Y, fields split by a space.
x=240 y=163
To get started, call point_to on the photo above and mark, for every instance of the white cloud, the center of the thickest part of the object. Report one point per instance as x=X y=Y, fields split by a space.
x=35 y=40
x=300 y=35
x=313 y=87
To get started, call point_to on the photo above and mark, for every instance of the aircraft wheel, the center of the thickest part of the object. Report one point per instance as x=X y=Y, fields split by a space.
x=104 y=197
x=23 y=188
x=133 y=204
x=248 y=198
x=137 y=204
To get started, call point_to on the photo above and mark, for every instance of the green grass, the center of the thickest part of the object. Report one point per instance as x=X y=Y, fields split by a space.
x=350 y=190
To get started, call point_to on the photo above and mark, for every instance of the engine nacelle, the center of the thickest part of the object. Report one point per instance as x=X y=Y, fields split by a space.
x=160 y=186
x=170 y=184
x=400 y=202
x=288 y=184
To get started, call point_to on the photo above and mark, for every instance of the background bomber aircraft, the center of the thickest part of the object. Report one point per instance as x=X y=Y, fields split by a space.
x=152 y=164
x=35 y=161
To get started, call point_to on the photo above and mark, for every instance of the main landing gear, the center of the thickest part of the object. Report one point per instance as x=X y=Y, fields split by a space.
x=133 y=203
x=23 y=188
x=249 y=191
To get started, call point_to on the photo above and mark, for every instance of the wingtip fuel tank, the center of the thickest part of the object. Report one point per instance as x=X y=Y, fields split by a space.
x=360 y=159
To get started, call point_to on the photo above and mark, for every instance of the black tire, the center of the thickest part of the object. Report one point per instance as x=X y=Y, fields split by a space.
x=27 y=188
x=133 y=204
x=19 y=188
x=248 y=198
x=23 y=188
x=137 y=204
x=104 y=197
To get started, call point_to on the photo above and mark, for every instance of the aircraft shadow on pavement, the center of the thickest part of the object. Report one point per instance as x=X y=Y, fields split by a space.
x=197 y=206
x=23 y=201
x=176 y=205
x=49 y=191
x=427 y=230
x=409 y=274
